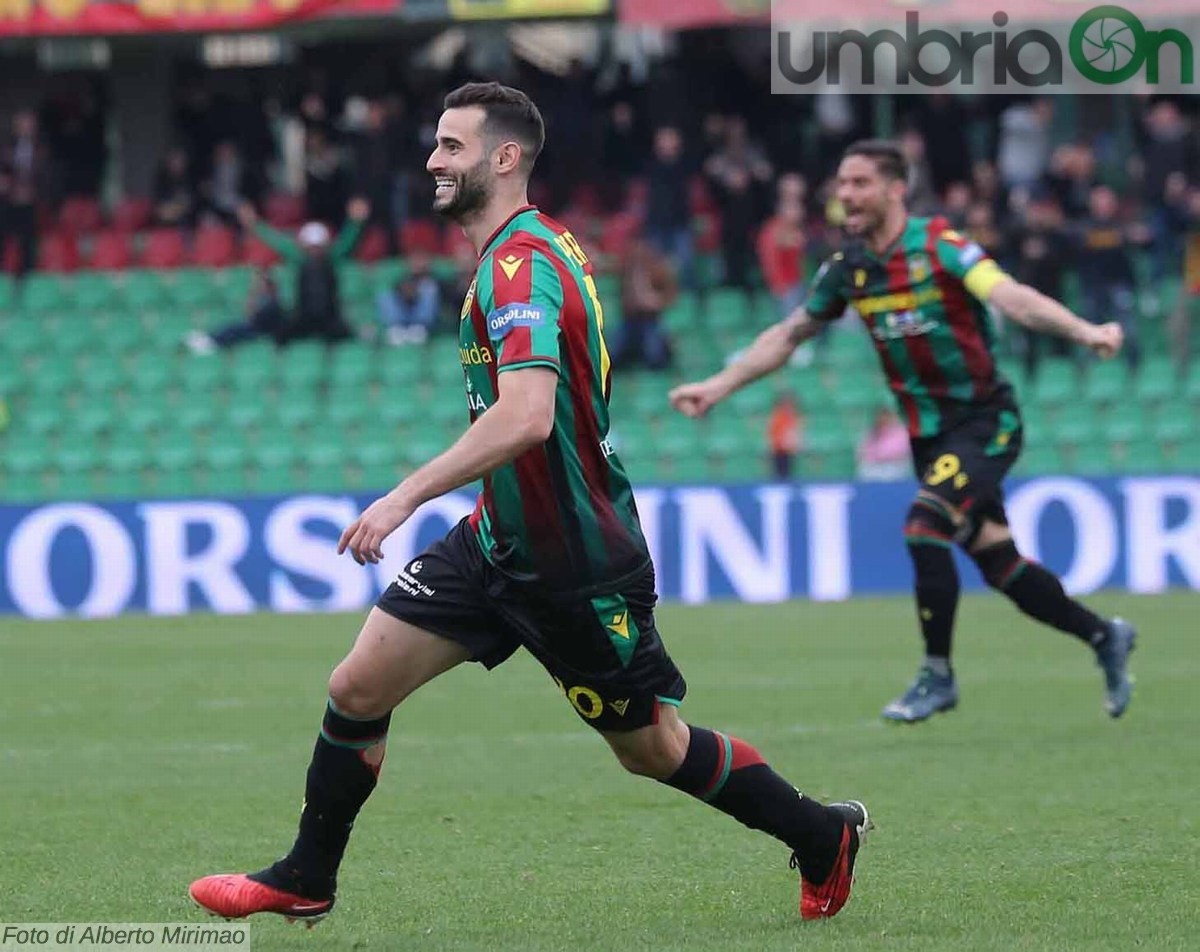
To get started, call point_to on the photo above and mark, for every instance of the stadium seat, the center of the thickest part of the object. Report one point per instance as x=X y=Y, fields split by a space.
x=112 y=251
x=1156 y=380
x=80 y=216
x=1057 y=382
x=258 y=253
x=164 y=248
x=420 y=234
x=282 y=210
x=44 y=294
x=1106 y=382
x=214 y=246
x=132 y=214
x=58 y=253
x=373 y=245
x=1041 y=459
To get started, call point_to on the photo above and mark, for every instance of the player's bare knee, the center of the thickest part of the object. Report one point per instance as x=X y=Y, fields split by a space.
x=654 y=752
x=990 y=534
x=356 y=696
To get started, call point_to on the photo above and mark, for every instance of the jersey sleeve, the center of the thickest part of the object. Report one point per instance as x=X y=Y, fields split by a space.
x=521 y=296
x=967 y=261
x=826 y=299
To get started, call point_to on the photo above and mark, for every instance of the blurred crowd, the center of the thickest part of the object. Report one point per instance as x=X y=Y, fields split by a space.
x=681 y=166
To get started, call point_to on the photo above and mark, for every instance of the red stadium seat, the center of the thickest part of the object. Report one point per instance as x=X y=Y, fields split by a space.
x=9 y=256
x=164 y=249
x=708 y=233
x=283 y=210
x=258 y=253
x=215 y=246
x=420 y=235
x=80 y=216
x=112 y=252
x=636 y=195
x=700 y=199
x=457 y=242
x=585 y=199
x=372 y=246
x=619 y=231
x=58 y=252
x=132 y=214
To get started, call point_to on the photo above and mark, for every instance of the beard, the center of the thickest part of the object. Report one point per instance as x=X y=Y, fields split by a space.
x=472 y=190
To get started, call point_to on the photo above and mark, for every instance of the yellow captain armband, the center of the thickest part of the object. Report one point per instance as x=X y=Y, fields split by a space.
x=982 y=277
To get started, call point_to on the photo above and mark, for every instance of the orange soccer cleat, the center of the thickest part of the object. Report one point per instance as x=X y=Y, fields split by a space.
x=826 y=900
x=236 y=895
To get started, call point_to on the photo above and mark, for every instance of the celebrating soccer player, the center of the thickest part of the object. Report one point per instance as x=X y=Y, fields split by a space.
x=923 y=291
x=552 y=559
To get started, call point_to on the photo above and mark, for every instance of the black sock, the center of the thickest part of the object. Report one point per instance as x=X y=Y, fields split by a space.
x=339 y=782
x=730 y=775
x=936 y=589
x=1038 y=592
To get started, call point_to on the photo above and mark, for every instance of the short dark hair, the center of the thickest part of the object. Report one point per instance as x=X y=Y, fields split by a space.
x=507 y=113
x=887 y=155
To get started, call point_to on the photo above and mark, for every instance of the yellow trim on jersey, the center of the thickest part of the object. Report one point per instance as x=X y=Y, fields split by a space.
x=982 y=277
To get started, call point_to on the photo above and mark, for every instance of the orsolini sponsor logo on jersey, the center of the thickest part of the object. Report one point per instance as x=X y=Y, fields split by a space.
x=502 y=320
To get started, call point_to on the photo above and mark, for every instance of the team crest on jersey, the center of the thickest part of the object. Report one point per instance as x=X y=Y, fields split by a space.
x=510 y=265
x=860 y=277
x=468 y=301
x=918 y=268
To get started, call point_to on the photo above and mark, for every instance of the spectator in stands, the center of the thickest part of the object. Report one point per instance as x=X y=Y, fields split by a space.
x=316 y=257
x=1042 y=250
x=374 y=164
x=1106 y=269
x=987 y=188
x=24 y=174
x=785 y=434
x=738 y=171
x=648 y=288
x=264 y=317
x=781 y=249
x=883 y=452
x=622 y=151
x=668 y=212
x=1186 y=307
x=326 y=182
x=1169 y=152
x=176 y=202
x=980 y=226
x=409 y=311
x=230 y=183
x=921 y=196
x=1071 y=175
x=956 y=202
x=1024 y=148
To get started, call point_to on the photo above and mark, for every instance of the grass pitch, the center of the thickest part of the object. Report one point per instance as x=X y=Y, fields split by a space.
x=141 y=753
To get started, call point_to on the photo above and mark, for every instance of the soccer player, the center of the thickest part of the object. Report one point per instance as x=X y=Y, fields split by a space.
x=923 y=292
x=552 y=559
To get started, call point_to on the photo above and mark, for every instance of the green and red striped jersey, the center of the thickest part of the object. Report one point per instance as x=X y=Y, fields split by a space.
x=923 y=302
x=562 y=513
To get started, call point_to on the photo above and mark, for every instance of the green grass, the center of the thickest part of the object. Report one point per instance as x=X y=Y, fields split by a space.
x=139 y=754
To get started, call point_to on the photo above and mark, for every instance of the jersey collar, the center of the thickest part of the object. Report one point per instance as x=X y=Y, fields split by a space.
x=895 y=242
x=487 y=245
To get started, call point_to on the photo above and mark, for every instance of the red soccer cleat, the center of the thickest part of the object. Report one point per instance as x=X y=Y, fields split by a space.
x=826 y=900
x=236 y=895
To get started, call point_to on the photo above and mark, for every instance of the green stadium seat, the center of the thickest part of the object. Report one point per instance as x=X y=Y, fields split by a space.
x=1175 y=423
x=1090 y=459
x=1077 y=428
x=55 y=375
x=1156 y=380
x=22 y=487
x=121 y=337
x=175 y=483
x=1186 y=458
x=101 y=379
x=223 y=481
x=24 y=336
x=375 y=453
x=274 y=479
x=1124 y=422
x=143 y=292
x=1107 y=382
x=197 y=414
x=44 y=294
x=245 y=412
x=193 y=291
x=41 y=417
x=95 y=292
x=275 y=450
x=302 y=365
x=353 y=365
x=99 y=416
x=1041 y=459
x=380 y=478
x=150 y=376
x=199 y=376
x=252 y=364
x=75 y=457
x=126 y=455
x=174 y=450
x=1057 y=382
x=25 y=454
x=144 y=416
x=297 y=410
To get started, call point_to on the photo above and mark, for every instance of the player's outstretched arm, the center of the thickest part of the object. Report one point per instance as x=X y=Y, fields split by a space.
x=521 y=418
x=1030 y=308
x=770 y=351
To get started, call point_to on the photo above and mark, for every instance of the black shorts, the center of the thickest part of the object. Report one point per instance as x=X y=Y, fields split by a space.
x=603 y=650
x=965 y=465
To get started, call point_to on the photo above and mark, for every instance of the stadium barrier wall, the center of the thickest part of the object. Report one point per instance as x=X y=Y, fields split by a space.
x=758 y=543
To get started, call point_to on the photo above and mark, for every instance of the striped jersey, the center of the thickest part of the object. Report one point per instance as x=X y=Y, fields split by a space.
x=562 y=513
x=922 y=301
